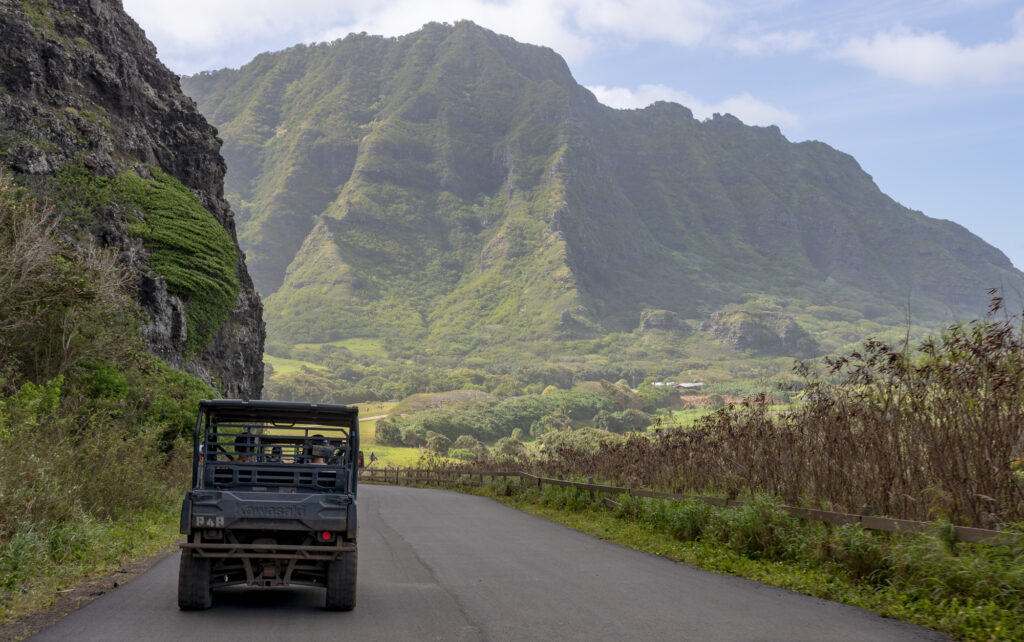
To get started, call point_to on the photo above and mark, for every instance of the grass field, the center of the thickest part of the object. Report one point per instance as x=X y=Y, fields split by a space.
x=360 y=346
x=288 y=366
x=386 y=455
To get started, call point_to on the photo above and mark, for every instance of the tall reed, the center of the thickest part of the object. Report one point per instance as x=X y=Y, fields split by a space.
x=917 y=434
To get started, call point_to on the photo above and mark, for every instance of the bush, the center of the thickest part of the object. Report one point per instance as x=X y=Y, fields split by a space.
x=635 y=420
x=630 y=420
x=508 y=447
x=438 y=443
x=548 y=423
x=466 y=441
x=582 y=440
x=463 y=454
x=387 y=433
x=411 y=438
x=62 y=304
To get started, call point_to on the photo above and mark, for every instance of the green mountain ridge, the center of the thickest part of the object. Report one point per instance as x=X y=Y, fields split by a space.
x=453 y=188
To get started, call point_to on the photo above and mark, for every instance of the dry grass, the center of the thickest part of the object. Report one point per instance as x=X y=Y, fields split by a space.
x=926 y=436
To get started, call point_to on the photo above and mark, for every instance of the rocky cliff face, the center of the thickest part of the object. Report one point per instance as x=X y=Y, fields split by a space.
x=84 y=103
x=767 y=333
x=453 y=186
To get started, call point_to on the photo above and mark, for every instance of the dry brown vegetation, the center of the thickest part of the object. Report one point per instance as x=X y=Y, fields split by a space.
x=924 y=436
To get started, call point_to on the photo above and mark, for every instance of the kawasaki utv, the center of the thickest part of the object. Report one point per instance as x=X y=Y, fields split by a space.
x=273 y=500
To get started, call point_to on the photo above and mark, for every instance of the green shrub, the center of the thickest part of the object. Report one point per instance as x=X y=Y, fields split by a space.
x=508 y=447
x=466 y=441
x=410 y=437
x=687 y=521
x=438 y=443
x=759 y=528
x=548 y=423
x=387 y=433
x=583 y=440
x=61 y=303
x=861 y=552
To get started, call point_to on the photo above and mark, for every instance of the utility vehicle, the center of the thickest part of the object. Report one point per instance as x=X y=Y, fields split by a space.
x=273 y=500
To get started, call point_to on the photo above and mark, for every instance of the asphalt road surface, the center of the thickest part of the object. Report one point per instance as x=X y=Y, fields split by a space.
x=438 y=565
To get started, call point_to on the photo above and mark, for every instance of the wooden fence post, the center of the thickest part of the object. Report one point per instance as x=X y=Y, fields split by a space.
x=590 y=480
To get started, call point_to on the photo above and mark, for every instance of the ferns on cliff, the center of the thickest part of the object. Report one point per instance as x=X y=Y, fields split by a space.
x=189 y=249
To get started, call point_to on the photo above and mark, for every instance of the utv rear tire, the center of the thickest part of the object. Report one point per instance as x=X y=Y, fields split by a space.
x=341 y=582
x=194 y=590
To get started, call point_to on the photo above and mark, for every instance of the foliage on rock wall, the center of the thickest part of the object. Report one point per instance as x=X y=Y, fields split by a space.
x=190 y=249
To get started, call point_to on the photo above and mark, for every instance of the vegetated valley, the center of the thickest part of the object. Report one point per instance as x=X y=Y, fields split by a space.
x=450 y=210
x=446 y=224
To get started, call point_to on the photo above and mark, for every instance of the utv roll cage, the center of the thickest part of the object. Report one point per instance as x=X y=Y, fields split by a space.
x=267 y=445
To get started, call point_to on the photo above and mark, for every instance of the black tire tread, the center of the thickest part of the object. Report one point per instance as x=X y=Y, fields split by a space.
x=194 y=590
x=341 y=582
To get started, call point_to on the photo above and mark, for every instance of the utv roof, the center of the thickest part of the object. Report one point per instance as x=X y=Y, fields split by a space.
x=290 y=412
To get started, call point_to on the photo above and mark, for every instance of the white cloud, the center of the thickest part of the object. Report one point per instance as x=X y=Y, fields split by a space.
x=540 y=22
x=195 y=32
x=744 y=106
x=790 y=42
x=682 y=22
x=202 y=24
x=934 y=59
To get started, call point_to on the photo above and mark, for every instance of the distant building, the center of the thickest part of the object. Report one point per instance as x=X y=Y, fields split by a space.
x=696 y=385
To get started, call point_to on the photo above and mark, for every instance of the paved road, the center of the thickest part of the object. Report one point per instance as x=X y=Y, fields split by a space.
x=437 y=565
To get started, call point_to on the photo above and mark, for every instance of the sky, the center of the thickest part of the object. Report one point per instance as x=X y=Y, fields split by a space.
x=927 y=95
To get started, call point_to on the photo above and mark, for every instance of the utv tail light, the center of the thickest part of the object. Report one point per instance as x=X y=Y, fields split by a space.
x=326 y=536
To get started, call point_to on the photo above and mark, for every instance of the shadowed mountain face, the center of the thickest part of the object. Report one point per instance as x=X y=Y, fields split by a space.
x=98 y=128
x=457 y=186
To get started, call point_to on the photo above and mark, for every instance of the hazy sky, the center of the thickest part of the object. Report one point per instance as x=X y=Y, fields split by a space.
x=928 y=95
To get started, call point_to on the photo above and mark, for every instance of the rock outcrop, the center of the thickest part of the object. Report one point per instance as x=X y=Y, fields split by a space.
x=664 y=320
x=83 y=100
x=761 y=332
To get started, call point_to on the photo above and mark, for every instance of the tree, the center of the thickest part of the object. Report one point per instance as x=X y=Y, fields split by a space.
x=466 y=441
x=410 y=437
x=387 y=433
x=608 y=421
x=547 y=423
x=635 y=420
x=438 y=443
x=508 y=447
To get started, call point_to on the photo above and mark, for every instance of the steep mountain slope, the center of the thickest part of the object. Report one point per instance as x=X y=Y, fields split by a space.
x=457 y=186
x=95 y=125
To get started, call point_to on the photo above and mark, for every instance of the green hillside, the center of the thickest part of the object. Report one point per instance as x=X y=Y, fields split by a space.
x=455 y=194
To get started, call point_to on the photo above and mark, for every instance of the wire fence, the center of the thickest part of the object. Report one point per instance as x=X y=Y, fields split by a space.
x=411 y=476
